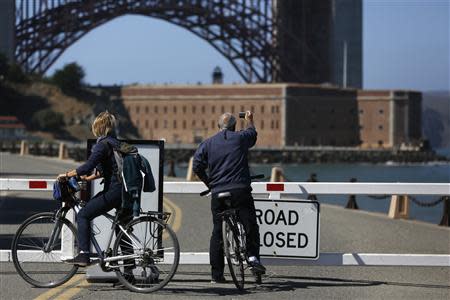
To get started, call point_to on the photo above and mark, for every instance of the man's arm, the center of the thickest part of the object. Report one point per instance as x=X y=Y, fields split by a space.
x=249 y=134
x=200 y=163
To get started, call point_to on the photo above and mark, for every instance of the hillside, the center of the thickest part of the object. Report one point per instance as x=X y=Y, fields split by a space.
x=436 y=118
x=25 y=100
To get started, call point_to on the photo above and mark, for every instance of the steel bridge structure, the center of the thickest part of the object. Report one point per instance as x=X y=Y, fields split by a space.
x=243 y=31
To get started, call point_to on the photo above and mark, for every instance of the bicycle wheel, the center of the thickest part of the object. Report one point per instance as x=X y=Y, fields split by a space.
x=158 y=252
x=233 y=254
x=39 y=266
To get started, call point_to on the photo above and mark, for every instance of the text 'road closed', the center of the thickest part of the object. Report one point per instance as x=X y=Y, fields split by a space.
x=288 y=228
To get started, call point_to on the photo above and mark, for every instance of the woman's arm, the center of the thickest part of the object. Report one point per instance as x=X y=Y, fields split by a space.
x=98 y=152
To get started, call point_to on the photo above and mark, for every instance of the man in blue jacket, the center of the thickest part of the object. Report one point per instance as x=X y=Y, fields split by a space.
x=224 y=155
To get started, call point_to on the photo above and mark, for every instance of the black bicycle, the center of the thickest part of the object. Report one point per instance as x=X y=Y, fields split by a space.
x=235 y=240
x=144 y=256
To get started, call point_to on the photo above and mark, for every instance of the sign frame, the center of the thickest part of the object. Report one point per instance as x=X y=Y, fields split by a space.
x=317 y=203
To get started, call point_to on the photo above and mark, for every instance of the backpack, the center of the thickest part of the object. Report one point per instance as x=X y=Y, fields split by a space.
x=133 y=170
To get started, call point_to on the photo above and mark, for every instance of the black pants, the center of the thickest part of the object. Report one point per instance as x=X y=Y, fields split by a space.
x=242 y=200
x=101 y=203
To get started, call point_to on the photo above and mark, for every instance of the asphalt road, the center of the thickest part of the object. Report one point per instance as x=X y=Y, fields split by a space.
x=341 y=231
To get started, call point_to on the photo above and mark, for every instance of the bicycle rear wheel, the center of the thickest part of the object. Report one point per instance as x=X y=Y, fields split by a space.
x=158 y=252
x=233 y=255
x=39 y=266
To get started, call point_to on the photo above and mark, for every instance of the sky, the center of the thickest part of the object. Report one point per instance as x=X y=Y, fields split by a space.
x=405 y=46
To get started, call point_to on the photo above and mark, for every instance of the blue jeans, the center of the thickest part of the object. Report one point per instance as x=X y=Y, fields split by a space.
x=98 y=205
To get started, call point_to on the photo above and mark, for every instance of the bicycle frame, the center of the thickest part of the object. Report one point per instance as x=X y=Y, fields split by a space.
x=61 y=214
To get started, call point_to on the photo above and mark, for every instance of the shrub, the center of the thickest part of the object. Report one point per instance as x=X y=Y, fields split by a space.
x=70 y=78
x=48 y=120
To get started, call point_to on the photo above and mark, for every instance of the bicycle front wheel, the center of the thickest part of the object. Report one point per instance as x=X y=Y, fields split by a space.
x=37 y=249
x=233 y=255
x=155 y=251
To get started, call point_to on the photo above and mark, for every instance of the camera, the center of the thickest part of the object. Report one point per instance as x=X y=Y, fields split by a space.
x=242 y=114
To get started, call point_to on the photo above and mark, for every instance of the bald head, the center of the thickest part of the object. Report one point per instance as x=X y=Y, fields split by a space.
x=227 y=121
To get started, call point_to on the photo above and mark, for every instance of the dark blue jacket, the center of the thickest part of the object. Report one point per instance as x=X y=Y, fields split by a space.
x=225 y=157
x=137 y=176
x=102 y=159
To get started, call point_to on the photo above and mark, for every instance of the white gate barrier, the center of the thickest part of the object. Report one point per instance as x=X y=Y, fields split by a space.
x=300 y=189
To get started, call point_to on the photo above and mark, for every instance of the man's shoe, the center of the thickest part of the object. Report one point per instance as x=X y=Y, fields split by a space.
x=256 y=266
x=218 y=280
x=81 y=260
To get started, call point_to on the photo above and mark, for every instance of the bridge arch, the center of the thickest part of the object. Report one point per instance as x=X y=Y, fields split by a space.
x=155 y=52
x=240 y=31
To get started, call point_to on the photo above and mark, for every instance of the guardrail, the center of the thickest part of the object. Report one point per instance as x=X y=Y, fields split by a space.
x=300 y=189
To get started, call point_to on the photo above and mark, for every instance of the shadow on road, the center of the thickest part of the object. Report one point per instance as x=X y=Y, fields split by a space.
x=15 y=210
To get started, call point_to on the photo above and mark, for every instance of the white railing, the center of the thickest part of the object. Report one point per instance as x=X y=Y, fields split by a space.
x=301 y=189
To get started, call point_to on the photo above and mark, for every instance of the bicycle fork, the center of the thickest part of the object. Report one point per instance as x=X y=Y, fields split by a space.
x=54 y=236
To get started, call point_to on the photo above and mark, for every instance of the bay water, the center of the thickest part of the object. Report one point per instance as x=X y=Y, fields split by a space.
x=388 y=172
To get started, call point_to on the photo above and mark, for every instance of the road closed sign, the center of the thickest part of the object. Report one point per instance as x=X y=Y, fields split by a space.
x=288 y=228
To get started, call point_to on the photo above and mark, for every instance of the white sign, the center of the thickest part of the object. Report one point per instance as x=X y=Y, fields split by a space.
x=288 y=228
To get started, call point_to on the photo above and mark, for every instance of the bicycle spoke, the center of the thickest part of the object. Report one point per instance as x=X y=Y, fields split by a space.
x=39 y=268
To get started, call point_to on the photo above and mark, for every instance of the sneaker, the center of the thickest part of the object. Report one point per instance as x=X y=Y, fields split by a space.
x=218 y=280
x=256 y=266
x=81 y=260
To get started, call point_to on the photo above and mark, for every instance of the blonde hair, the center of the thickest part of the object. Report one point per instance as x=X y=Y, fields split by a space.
x=103 y=124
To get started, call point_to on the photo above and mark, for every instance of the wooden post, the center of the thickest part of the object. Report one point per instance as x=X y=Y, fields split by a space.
x=399 y=208
x=62 y=151
x=190 y=176
x=24 y=148
x=277 y=175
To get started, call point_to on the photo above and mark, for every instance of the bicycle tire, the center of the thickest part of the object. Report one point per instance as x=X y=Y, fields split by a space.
x=65 y=270
x=147 y=271
x=232 y=253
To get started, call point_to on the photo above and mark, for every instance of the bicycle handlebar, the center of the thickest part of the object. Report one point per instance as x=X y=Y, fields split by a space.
x=259 y=176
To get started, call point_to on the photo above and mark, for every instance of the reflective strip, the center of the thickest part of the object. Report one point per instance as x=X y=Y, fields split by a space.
x=37 y=184
x=275 y=187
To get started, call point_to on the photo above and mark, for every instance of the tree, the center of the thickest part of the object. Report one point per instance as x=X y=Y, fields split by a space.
x=70 y=78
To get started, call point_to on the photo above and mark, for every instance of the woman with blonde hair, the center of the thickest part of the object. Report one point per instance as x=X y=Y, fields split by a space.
x=101 y=163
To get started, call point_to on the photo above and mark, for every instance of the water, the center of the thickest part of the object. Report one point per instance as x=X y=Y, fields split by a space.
x=425 y=173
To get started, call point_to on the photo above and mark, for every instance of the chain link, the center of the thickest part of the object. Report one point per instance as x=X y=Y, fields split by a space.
x=427 y=204
x=381 y=197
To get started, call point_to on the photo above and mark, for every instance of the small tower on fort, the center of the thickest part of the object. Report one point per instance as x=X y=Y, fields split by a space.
x=217 y=76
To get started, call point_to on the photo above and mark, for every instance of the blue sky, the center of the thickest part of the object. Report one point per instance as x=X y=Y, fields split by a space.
x=405 y=46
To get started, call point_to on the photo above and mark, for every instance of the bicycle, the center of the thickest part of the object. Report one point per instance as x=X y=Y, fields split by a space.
x=144 y=256
x=234 y=240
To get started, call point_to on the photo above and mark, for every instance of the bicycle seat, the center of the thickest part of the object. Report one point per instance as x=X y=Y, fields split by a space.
x=224 y=195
